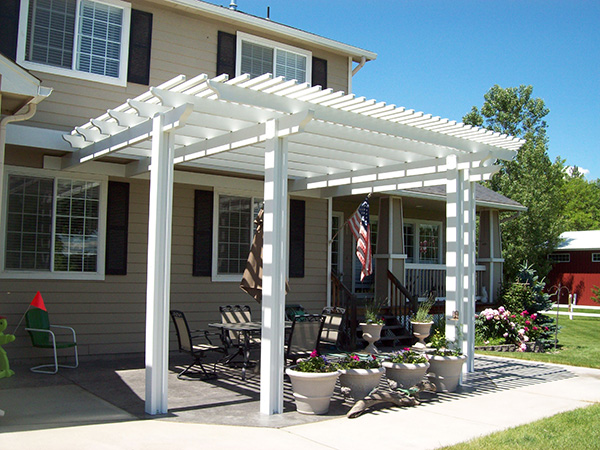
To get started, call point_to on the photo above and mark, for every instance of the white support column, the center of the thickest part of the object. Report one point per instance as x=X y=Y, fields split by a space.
x=468 y=300
x=159 y=268
x=454 y=251
x=275 y=263
x=329 y=244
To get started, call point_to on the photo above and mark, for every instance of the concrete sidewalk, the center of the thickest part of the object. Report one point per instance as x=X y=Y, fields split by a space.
x=501 y=393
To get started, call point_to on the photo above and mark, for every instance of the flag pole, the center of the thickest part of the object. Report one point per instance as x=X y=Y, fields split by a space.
x=20 y=321
x=346 y=222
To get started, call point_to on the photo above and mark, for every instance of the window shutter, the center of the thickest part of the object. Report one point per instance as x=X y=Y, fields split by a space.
x=203 y=225
x=226 y=48
x=9 y=27
x=117 y=228
x=140 y=43
x=297 y=229
x=319 y=72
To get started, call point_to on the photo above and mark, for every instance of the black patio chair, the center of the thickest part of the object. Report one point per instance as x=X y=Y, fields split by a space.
x=304 y=336
x=333 y=317
x=186 y=338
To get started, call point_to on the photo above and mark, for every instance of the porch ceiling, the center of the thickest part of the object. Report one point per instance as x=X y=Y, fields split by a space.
x=337 y=143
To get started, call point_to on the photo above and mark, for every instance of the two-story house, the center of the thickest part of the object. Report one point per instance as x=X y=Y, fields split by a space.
x=150 y=204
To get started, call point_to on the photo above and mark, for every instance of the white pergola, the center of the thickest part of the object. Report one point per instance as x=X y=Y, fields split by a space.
x=299 y=138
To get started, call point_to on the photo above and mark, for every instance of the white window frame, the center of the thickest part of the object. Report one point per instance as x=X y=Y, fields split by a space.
x=596 y=257
x=241 y=36
x=50 y=274
x=416 y=223
x=557 y=258
x=74 y=73
x=228 y=277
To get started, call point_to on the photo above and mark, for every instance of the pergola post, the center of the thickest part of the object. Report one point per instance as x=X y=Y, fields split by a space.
x=275 y=263
x=468 y=344
x=159 y=267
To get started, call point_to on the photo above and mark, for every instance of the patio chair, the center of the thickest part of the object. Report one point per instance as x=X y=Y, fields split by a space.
x=186 y=338
x=333 y=317
x=304 y=336
x=235 y=339
x=39 y=329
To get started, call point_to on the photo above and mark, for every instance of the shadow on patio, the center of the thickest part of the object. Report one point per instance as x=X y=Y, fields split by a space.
x=113 y=390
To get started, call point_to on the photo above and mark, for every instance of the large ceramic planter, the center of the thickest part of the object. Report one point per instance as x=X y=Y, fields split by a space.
x=444 y=372
x=312 y=391
x=358 y=383
x=371 y=332
x=404 y=375
x=421 y=331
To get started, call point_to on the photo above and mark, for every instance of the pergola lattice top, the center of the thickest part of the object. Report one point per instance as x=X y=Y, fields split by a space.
x=337 y=142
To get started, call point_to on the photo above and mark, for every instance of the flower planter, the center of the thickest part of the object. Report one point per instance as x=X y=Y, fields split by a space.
x=444 y=371
x=358 y=383
x=421 y=331
x=371 y=332
x=404 y=375
x=312 y=390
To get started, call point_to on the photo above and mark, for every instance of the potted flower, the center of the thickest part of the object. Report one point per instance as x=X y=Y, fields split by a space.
x=313 y=381
x=359 y=375
x=422 y=321
x=371 y=327
x=445 y=365
x=405 y=368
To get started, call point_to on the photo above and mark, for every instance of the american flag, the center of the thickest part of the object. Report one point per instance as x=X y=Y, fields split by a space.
x=359 y=225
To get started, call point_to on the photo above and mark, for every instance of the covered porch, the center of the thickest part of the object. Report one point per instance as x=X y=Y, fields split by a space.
x=301 y=141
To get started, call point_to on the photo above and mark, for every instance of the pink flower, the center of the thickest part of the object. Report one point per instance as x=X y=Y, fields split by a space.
x=533 y=316
x=527 y=322
x=526 y=329
x=535 y=328
x=505 y=335
x=522 y=347
x=512 y=316
x=545 y=328
x=355 y=358
x=314 y=354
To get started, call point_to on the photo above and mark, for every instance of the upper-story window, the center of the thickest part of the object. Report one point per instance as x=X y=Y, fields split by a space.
x=560 y=257
x=77 y=38
x=595 y=257
x=257 y=56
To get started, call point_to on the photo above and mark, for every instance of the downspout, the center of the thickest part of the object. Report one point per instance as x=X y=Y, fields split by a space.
x=363 y=61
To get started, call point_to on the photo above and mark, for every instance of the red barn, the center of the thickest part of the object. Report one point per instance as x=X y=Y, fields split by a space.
x=576 y=264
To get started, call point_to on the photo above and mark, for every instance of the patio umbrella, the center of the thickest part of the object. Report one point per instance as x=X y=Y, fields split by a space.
x=252 y=277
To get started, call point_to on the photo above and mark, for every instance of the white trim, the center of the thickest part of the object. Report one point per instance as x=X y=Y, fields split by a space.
x=241 y=36
x=73 y=73
x=50 y=274
x=595 y=257
x=416 y=257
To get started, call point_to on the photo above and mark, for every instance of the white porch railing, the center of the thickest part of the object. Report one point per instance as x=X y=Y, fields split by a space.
x=420 y=279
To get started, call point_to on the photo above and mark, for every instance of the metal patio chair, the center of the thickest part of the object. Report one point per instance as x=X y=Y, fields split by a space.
x=304 y=336
x=333 y=317
x=39 y=329
x=236 y=339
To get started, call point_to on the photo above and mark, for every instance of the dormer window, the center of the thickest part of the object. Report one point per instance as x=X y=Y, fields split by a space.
x=78 y=38
x=257 y=56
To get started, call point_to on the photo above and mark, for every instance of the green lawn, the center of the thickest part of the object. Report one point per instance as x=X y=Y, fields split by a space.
x=579 y=344
x=571 y=430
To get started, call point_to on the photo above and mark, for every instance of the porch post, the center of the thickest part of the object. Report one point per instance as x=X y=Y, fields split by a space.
x=329 y=244
x=275 y=263
x=159 y=268
x=468 y=344
x=454 y=251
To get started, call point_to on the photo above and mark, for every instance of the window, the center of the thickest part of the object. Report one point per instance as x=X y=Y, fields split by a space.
x=235 y=230
x=257 y=56
x=337 y=244
x=83 y=38
x=595 y=257
x=560 y=257
x=422 y=242
x=53 y=225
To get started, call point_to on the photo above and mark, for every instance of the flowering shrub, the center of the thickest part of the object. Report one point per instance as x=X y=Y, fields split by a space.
x=407 y=356
x=500 y=326
x=354 y=361
x=315 y=363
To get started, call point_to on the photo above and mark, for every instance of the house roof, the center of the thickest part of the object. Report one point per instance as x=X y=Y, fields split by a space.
x=580 y=240
x=483 y=197
x=18 y=87
x=338 y=144
x=240 y=17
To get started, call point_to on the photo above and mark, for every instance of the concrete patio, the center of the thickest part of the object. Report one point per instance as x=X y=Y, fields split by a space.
x=101 y=405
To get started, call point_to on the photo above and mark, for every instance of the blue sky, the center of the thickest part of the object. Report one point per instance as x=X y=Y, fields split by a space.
x=441 y=57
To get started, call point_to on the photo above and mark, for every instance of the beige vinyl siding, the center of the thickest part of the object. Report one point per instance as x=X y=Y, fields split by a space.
x=109 y=316
x=182 y=43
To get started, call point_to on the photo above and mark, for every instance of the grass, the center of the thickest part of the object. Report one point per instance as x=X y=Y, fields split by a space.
x=579 y=344
x=576 y=429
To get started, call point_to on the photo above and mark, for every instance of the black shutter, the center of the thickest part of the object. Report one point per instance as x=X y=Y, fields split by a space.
x=319 y=72
x=9 y=27
x=140 y=43
x=297 y=229
x=117 y=227
x=226 y=54
x=203 y=225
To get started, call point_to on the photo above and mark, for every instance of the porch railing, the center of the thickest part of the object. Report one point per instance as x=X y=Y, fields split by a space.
x=343 y=297
x=402 y=302
x=424 y=278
